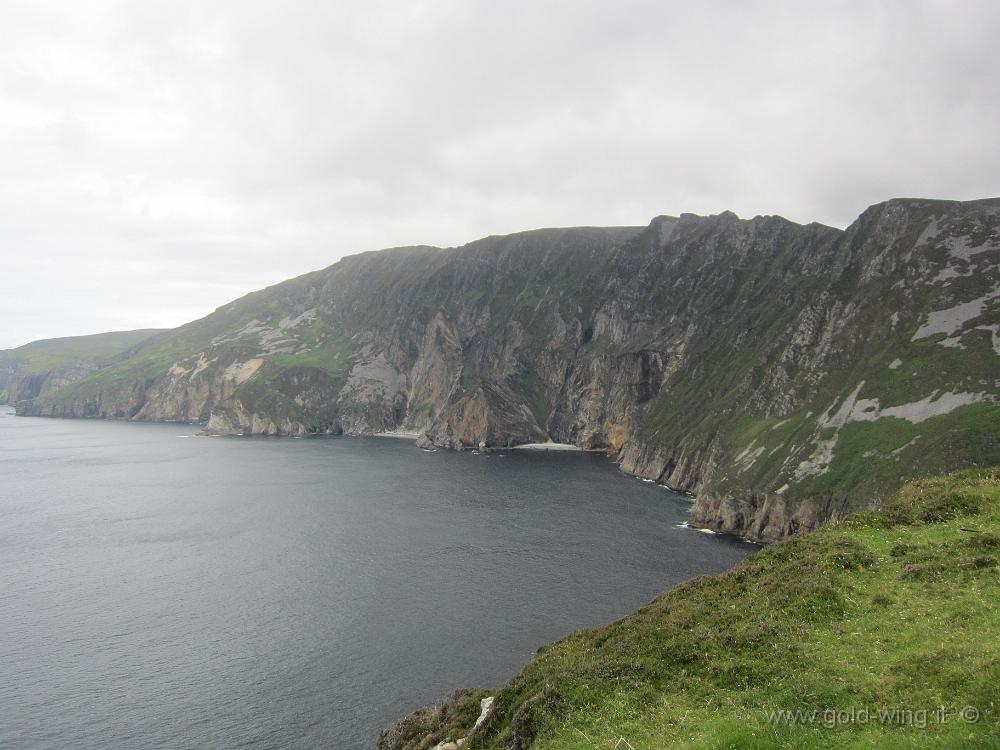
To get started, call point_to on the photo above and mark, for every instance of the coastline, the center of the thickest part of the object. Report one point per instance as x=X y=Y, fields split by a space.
x=550 y=446
x=797 y=599
x=547 y=446
x=398 y=434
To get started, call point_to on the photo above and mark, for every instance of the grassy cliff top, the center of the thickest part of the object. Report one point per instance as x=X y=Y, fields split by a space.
x=48 y=354
x=883 y=631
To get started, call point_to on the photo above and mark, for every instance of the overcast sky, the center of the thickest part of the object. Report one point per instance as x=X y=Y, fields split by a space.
x=158 y=159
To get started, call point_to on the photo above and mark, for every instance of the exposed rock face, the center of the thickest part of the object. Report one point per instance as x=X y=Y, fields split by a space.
x=46 y=366
x=765 y=517
x=19 y=383
x=785 y=373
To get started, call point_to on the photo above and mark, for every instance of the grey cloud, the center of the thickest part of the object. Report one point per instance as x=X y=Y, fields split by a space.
x=161 y=158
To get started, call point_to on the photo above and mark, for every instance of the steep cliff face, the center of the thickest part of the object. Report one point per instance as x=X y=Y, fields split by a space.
x=45 y=366
x=785 y=373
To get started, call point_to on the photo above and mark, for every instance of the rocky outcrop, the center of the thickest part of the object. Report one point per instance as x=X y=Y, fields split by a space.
x=783 y=373
x=446 y=725
x=765 y=517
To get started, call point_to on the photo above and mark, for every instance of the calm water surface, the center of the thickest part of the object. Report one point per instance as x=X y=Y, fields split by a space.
x=161 y=590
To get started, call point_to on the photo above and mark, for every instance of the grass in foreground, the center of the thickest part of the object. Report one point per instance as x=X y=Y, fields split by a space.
x=883 y=631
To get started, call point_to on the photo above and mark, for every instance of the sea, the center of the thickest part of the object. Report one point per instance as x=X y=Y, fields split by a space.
x=159 y=589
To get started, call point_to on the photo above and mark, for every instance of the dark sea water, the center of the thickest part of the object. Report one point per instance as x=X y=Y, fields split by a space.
x=160 y=590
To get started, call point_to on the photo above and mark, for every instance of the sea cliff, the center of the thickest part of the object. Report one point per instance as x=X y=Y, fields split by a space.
x=784 y=373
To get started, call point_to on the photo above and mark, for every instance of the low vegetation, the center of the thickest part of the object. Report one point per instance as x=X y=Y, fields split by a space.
x=882 y=631
x=48 y=354
x=444 y=722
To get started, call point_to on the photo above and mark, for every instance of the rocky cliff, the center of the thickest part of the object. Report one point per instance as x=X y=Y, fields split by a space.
x=784 y=373
x=45 y=366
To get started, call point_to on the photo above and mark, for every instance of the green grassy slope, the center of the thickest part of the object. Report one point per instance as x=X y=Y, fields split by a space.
x=48 y=365
x=47 y=354
x=891 y=612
